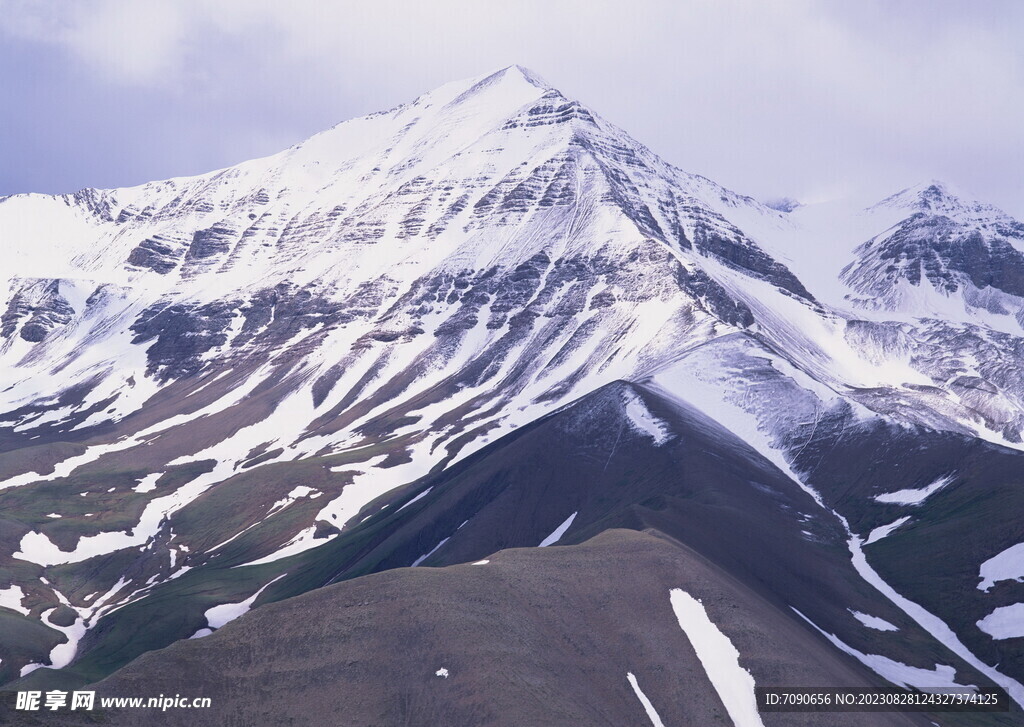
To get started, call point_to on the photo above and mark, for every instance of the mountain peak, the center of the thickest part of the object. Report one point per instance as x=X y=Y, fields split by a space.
x=527 y=75
x=935 y=190
x=938 y=197
x=510 y=82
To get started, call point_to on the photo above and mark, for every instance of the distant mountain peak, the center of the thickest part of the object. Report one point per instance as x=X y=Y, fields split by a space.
x=935 y=196
x=783 y=204
x=955 y=244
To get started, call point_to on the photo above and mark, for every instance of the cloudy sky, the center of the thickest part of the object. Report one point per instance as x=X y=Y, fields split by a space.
x=810 y=99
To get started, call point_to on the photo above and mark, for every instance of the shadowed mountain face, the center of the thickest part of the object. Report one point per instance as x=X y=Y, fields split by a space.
x=489 y=320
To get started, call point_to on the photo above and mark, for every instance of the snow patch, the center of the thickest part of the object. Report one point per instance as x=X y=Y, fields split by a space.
x=148 y=483
x=652 y=714
x=11 y=597
x=37 y=548
x=372 y=482
x=295 y=494
x=915 y=497
x=935 y=626
x=873 y=622
x=559 y=532
x=62 y=654
x=898 y=673
x=217 y=616
x=430 y=553
x=1005 y=566
x=303 y=541
x=720 y=659
x=644 y=422
x=883 y=530
x=418 y=497
x=1006 y=622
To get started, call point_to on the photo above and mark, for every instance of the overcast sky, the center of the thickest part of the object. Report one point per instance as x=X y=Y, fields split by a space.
x=791 y=98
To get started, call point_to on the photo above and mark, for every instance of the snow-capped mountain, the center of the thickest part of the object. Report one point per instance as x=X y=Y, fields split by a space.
x=230 y=389
x=947 y=252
